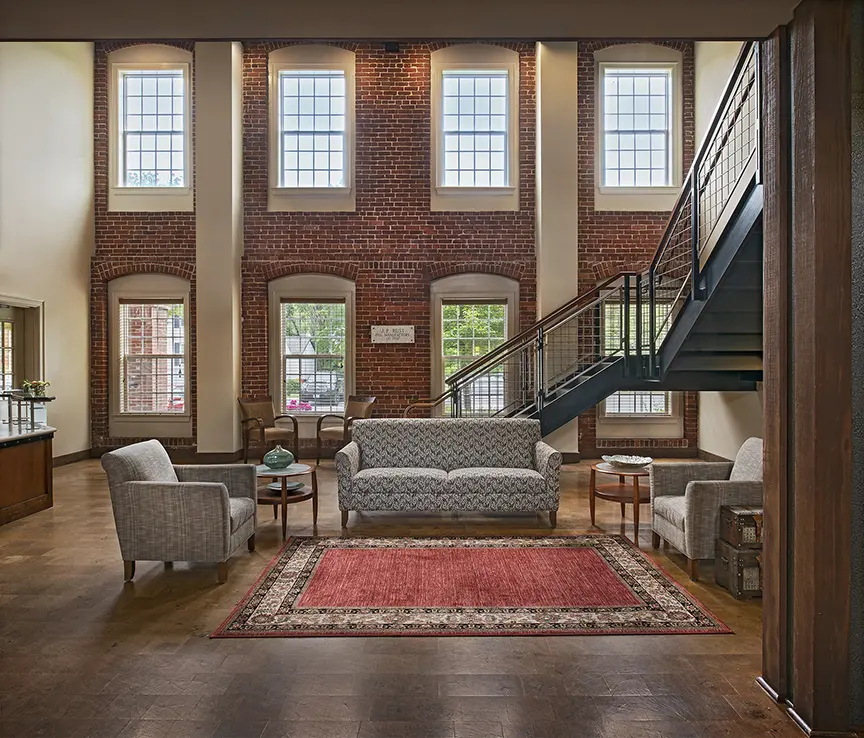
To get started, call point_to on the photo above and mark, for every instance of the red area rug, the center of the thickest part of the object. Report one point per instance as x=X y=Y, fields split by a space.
x=556 y=585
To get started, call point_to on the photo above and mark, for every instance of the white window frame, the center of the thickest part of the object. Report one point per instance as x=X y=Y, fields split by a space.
x=309 y=287
x=147 y=199
x=474 y=57
x=144 y=287
x=310 y=199
x=639 y=56
x=469 y=287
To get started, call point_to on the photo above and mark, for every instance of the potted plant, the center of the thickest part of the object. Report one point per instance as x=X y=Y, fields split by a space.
x=35 y=387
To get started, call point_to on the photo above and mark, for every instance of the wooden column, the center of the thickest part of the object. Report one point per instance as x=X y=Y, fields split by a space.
x=821 y=382
x=774 y=56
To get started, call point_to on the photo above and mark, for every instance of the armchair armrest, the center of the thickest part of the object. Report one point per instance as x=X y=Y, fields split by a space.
x=702 y=502
x=547 y=461
x=327 y=415
x=347 y=466
x=293 y=423
x=672 y=478
x=239 y=479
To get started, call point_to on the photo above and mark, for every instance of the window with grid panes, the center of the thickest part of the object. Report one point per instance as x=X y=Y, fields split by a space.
x=312 y=109
x=153 y=127
x=468 y=331
x=637 y=145
x=152 y=357
x=630 y=403
x=313 y=355
x=7 y=355
x=475 y=128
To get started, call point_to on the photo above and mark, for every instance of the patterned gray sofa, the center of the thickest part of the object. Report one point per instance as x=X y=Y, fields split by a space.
x=484 y=464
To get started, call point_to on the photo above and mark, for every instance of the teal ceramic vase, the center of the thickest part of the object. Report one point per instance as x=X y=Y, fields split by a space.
x=278 y=458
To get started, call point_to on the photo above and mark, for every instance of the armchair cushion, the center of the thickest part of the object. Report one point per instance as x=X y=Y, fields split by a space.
x=333 y=432
x=279 y=433
x=748 y=462
x=147 y=461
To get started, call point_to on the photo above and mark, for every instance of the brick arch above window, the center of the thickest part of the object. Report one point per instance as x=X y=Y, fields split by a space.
x=346 y=270
x=108 y=271
x=503 y=269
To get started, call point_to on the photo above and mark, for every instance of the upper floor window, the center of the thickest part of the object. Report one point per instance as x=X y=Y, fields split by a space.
x=7 y=355
x=639 y=127
x=475 y=108
x=311 y=137
x=150 y=157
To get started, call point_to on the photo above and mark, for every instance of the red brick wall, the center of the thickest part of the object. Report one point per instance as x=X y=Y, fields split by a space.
x=611 y=242
x=130 y=243
x=392 y=246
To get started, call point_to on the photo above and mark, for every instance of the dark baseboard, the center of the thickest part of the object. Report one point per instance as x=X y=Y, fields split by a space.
x=71 y=458
x=708 y=456
x=570 y=457
x=655 y=453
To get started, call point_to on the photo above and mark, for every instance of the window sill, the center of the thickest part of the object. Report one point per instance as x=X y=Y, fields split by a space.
x=155 y=425
x=151 y=199
x=630 y=199
x=311 y=200
x=670 y=419
x=475 y=199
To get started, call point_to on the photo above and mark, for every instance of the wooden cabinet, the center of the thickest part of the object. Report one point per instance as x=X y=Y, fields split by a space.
x=25 y=475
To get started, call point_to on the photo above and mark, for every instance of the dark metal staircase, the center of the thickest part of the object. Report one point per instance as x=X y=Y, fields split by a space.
x=691 y=321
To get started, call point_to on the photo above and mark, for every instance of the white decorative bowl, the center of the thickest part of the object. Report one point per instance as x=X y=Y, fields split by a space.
x=628 y=462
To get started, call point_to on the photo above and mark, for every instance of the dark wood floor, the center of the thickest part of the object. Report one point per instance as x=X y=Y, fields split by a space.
x=82 y=655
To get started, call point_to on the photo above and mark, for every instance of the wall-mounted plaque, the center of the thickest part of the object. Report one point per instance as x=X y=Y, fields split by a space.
x=392 y=334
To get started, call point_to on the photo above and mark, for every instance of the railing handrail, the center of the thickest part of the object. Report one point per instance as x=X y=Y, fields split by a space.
x=566 y=311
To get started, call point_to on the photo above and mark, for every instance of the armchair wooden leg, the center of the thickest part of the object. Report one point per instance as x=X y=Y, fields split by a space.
x=251 y=543
x=655 y=539
x=223 y=572
x=317 y=451
x=128 y=570
x=665 y=545
x=169 y=564
x=344 y=518
x=553 y=518
x=245 y=448
x=693 y=569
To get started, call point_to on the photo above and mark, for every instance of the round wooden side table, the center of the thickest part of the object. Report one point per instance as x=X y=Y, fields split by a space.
x=284 y=492
x=621 y=491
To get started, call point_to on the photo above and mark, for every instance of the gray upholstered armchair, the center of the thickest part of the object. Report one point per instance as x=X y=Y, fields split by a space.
x=686 y=500
x=179 y=513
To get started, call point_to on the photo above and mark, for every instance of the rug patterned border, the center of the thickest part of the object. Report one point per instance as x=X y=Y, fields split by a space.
x=268 y=608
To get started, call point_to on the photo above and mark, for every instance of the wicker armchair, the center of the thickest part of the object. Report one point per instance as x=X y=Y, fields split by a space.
x=686 y=500
x=179 y=513
x=357 y=408
x=258 y=416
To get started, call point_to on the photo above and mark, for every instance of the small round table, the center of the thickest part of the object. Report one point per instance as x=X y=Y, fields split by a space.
x=283 y=492
x=620 y=492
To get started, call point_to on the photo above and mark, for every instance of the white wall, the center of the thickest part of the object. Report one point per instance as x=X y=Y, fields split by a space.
x=726 y=419
x=46 y=206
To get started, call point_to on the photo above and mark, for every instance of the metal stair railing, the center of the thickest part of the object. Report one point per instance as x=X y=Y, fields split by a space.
x=627 y=317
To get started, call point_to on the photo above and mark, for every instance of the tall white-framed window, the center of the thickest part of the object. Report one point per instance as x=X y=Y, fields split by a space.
x=311 y=162
x=149 y=129
x=639 y=127
x=311 y=344
x=475 y=128
x=472 y=314
x=149 y=336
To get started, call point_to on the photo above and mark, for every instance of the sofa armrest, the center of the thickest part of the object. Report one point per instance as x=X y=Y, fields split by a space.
x=347 y=466
x=547 y=461
x=239 y=479
x=672 y=478
x=702 y=502
x=184 y=521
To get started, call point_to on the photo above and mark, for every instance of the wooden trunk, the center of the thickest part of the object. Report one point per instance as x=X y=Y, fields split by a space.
x=741 y=526
x=738 y=570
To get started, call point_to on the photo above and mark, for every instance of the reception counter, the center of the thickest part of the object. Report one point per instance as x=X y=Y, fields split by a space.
x=25 y=470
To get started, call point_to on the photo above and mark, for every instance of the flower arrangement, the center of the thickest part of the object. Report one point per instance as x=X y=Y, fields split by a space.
x=36 y=387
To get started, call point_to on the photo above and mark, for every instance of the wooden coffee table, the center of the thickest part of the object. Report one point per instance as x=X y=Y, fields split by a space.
x=285 y=492
x=620 y=492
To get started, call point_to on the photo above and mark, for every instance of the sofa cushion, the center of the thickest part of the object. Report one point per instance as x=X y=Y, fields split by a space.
x=399 y=481
x=447 y=443
x=671 y=507
x=479 y=480
x=240 y=509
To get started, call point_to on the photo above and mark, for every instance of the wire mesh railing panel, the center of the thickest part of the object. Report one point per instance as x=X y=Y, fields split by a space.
x=505 y=388
x=734 y=141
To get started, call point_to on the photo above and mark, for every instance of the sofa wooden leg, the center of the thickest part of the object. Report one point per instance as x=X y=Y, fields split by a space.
x=693 y=569
x=665 y=545
x=553 y=518
x=655 y=539
x=223 y=572
x=128 y=570
x=251 y=543
x=344 y=518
